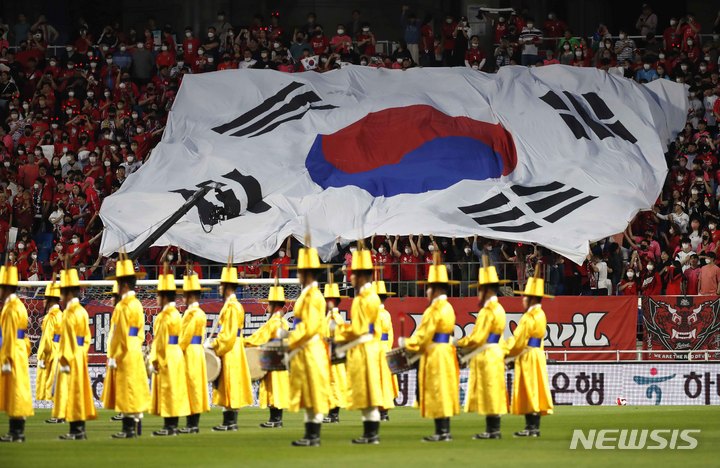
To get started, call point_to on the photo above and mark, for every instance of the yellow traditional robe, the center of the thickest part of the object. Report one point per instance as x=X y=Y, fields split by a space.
x=364 y=360
x=169 y=381
x=486 y=393
x=234 y=387
x=275 y=386
x=74 y=399
x=338 y=372
x=531 y=391
x=384 y=331
x=439 y=373
x=15 y=392
x=47 y=352
x=309 y=364
x=192 y=337
x=126 y=388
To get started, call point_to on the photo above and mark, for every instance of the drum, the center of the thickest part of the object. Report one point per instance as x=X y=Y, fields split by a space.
x=272 y=358
x=213 y=364
x=401 y=360
x=461 y=353
x=253 y=360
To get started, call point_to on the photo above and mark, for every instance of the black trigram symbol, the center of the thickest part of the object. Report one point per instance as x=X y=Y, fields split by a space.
x=597 y=123
x=268 y=115
x=499 y=214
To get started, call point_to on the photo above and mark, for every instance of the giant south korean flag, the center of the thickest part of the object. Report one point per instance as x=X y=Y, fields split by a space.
x=554 y=155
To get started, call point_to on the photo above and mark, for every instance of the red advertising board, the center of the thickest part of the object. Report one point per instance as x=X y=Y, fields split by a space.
x=681 y=323
x=574 y=323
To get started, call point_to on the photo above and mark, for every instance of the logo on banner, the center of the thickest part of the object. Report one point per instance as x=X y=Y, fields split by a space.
x=634 y=439
x=410 y=150
x=683 y=325
x=653 y=390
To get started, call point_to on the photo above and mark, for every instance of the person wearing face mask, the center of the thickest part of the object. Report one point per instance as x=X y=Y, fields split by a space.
x=279 y=264
x=624 y=47
x=475 y=54
x=211 y=44
x=131 y=164
x=428 y=255
x=318 y=42
x=530 y=39
x=222 y=26
x=467 y=263
x=341 y=43
x=691 y=48
x=384 y=259
x=143 y=64
x=408 y=262
x=688 y=28
x=190 y=45
x=166 y=57
x=646 y=74
x=709 y=276
x=650 y=282
x=628 y=286
x=678 y=217
x=670 y=37
x=366 y=41
x=145 y=140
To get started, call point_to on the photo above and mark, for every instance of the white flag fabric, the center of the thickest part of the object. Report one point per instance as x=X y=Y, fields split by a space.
x=555 y=155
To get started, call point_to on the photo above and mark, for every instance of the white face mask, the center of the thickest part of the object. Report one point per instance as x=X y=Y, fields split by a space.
x=685 y=245
x=381 y=250
x=139 y=45
x=163 y=48
x=408 y=251
x=366 y=29
x=467 y=251
x=673 y=22
x=107 y=163
x=211 y=35
x=530 y=25
x=712 y=226
x=650 y=267
x=34 y=256
x=646 y=66
x=341 y=31
x=201 y=52
x=21 y=246
x=431 y=247
x=188 y=34
x=630 y=275
x=75 y=240
x=130 y=159
x=661 y=56
x=281 y=254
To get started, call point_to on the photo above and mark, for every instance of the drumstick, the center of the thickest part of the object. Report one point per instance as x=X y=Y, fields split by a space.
x=402 y=327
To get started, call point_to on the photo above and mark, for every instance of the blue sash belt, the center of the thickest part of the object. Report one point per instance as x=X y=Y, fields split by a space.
x=493 y=338
x=173 y=339
x=239 y=332
x=441 y=338
x=384 y=337
x=21 y=333
x=133 y=331
x=371 y=328
x=80 y=340
x=196 y=339
x=56 y=338
x=534 y=342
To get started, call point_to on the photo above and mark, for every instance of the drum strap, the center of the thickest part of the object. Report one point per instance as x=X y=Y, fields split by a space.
x=292 y=353
x=363 y=339
x=468 y=357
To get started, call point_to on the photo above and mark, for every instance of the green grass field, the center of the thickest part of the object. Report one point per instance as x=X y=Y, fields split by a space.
x=253 y=446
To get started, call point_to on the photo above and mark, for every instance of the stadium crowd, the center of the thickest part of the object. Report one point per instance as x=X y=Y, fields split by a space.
x=78 y=120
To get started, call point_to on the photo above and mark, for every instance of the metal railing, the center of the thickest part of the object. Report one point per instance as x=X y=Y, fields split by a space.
x=706 y=355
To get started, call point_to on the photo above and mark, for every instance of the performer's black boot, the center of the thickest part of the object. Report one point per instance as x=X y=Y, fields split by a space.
x=16 y=432
x=384 y=416
x=492 y=429
x=117 y=417
x=275 y=419
x=192 y=425
x=442 y=431
x=128 y=429
x=169 y=428
x=311 y=437
x=532 y=426
x=55 y=421
x=77 y=431
x=333 y=416
x=371 y=430
x=229 y=422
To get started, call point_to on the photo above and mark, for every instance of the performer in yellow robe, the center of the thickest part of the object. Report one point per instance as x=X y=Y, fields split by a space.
x=364 y=352
x=49 y=345
x=486 y=392
x=233 y=389
x=73 y=388
x=15 y=392
x=384 y=331
x=309 y=363
x=531 y=390
x=115 y=294
x=338 y=372
x=192 y=336
x=126 y=384
x=167 y=362
x=275 y=386
x=439 y=375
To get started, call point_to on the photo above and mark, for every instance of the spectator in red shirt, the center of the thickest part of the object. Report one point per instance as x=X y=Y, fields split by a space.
x=709 y=277
x=692 y=276
x=474 y=54
x=319 y=43
x=28 y=172
x=366 y=41
x=673 y=279
x=650 y=282
x=250 y=269
x=279 y=266
x=628 y=286
x=341 y=43
x=408 y=260
x=448 y=39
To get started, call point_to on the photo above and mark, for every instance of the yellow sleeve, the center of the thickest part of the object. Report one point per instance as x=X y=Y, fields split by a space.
x=160 y=341
x=137 y=318
x=186 y=330
x=67 y=338
x=44 y=351
x=313 y=316
x=263 y=334
x=86 y=327
x=9 y=326
x=390 y=330
x=424 y=334
x=225 y=340
x=480 y=332
x=118 y=332
x=518 y=341
x=5 y=342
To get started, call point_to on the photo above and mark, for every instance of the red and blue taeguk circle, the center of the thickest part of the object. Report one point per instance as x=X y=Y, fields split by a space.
x=410 y=150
